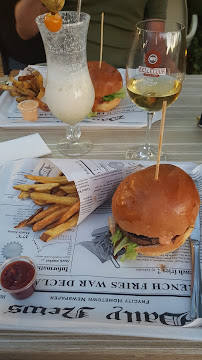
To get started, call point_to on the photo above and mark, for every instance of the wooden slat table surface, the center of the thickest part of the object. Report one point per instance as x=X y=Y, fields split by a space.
x=182 y=142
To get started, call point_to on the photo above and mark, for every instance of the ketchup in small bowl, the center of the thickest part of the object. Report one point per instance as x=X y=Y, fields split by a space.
x=18 y=276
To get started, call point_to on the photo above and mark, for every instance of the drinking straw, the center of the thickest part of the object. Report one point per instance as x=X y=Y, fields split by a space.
x=79 y=9
x=101 y=41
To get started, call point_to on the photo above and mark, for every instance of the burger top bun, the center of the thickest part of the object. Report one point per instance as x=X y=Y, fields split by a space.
x=156 y=208
x=106 y=80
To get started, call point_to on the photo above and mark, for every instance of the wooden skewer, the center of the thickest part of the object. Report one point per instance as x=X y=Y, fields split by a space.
x=101 y=42
x=160 y=139
x=79 y=9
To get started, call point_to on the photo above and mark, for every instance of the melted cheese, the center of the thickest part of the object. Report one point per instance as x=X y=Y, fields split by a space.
x=165 y=240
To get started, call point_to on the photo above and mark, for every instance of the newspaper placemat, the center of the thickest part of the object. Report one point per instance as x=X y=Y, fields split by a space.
x=81 y=288
x=126 y=115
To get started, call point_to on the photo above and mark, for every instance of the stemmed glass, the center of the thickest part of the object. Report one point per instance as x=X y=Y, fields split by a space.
x=154 y=73
x=69 y=91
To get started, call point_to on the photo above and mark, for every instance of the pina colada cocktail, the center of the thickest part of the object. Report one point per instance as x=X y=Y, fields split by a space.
x=70 y=96
x=69 y=90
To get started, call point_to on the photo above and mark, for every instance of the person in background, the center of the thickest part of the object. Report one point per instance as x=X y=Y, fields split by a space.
x=120 y=18
x=16 y=51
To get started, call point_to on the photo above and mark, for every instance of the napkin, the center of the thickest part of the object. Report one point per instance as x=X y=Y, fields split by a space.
x=30 y=146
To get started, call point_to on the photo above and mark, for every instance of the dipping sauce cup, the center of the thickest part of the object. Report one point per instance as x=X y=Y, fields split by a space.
x=29 y=109
x=18 y=277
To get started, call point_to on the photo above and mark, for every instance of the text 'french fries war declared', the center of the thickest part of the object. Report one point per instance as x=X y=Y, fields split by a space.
x=27 y=87
x=59 y=201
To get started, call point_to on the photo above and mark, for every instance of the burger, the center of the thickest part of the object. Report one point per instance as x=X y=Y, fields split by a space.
x=153 y=217
x=108 y=85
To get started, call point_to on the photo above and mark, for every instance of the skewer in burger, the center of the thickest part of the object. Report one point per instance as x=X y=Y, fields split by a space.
x=153 y=217
x=108 y=85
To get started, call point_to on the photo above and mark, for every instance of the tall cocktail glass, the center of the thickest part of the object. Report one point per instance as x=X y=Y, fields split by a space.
x=69 y=91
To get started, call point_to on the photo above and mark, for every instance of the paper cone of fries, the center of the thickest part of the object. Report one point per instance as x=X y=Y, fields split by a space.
x=67 y=191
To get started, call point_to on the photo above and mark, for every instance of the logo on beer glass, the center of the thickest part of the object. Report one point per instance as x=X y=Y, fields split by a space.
x=152 y=61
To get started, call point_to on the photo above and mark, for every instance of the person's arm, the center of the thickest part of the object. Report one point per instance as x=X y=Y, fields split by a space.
x=156 y=9
x=25 y=13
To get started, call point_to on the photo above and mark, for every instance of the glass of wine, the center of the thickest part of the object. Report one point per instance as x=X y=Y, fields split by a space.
x=69 y=90
x=154 y=73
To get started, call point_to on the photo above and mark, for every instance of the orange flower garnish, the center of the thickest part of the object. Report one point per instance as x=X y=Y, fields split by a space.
x=53 y=22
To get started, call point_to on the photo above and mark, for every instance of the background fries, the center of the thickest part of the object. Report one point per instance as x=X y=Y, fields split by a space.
x=27 y=87
x=61 y=200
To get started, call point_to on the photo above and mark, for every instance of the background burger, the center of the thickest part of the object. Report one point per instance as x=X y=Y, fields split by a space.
x=108 y=85
x=153 y=217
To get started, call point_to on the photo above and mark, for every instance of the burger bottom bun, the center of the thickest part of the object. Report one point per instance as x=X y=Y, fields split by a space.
x=156 y=250
x=107 y=105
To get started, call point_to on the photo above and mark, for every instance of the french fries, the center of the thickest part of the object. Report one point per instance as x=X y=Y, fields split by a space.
x=41 y=224
x=50 y=234
x=69 y=188
x=20 y=98
x=24 y=222
x=54 y=199
x=23 y=195
x=59 y=201
x=36 y=187
x=42 y=105
x=26 y=77
x=62 y=180
x=69 y=212
x=44 y=213
x=27 y=87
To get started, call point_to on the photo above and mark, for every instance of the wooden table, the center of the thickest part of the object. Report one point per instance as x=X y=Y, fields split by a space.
x=182 y=142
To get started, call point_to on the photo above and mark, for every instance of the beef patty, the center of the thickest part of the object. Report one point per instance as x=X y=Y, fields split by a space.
x=141 y=239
